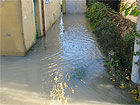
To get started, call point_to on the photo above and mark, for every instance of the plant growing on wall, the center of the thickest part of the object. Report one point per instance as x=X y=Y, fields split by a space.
x=115 y=36
x=131 y=9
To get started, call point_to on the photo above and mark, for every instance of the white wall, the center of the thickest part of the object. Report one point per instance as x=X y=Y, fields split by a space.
x=75 y=6
x=135 y=68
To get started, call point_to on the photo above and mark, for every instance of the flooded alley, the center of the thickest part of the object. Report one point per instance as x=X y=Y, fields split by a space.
x=65 y=67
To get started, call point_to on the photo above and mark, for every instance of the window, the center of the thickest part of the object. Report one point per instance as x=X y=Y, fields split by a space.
x=47 y=1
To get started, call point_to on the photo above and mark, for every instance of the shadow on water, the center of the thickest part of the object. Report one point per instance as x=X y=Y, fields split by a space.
x=65 y=67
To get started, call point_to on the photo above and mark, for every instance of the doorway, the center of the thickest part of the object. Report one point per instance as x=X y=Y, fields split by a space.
x=43 y=16
x=35 y=14
x=39 y=18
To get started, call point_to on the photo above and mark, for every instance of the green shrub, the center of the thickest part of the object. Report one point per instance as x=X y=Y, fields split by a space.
x=117 y=47
x=108 y=36
x=96 y=12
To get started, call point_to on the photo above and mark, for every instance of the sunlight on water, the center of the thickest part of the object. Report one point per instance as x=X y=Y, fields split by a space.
x=76 y=54
x=63 y=68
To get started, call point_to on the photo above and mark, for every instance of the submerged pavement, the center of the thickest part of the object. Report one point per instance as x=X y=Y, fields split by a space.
x=65 y=67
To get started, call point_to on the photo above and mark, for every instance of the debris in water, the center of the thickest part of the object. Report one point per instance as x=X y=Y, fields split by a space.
x=67 y=77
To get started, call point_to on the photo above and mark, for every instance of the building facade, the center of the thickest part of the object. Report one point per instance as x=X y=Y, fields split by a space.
x=22 y=21
x=74 y=6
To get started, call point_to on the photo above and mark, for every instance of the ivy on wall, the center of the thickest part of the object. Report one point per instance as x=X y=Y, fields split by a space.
x=132 y=9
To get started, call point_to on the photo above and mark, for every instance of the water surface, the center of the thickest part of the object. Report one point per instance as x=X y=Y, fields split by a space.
x=65 y=67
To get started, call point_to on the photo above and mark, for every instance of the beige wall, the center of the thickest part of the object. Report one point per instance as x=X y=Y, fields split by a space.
x=17 y=24
x=64 y=6
x=52 y=12
x=11 y=39
x=28 y=20
x=17 y=27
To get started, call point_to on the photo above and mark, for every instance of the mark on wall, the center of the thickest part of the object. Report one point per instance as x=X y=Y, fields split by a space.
x=2 y=3
x=9 y=35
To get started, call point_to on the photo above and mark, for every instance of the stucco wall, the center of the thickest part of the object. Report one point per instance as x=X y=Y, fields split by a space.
x=17 y=24
x=11 y=40
x=28 y=20
x=52 y=12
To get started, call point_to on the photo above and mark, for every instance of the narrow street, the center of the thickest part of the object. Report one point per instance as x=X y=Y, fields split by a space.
x=65 y=67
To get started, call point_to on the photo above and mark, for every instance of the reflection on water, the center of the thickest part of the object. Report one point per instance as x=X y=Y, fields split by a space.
x=77 y=53
x=65 y=67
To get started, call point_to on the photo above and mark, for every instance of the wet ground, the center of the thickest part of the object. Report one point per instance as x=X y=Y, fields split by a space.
x=65 y=67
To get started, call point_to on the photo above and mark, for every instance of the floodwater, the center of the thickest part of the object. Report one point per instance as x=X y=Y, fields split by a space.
x=65 y=67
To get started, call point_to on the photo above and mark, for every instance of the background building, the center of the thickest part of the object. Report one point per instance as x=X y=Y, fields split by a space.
x=74 y=6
